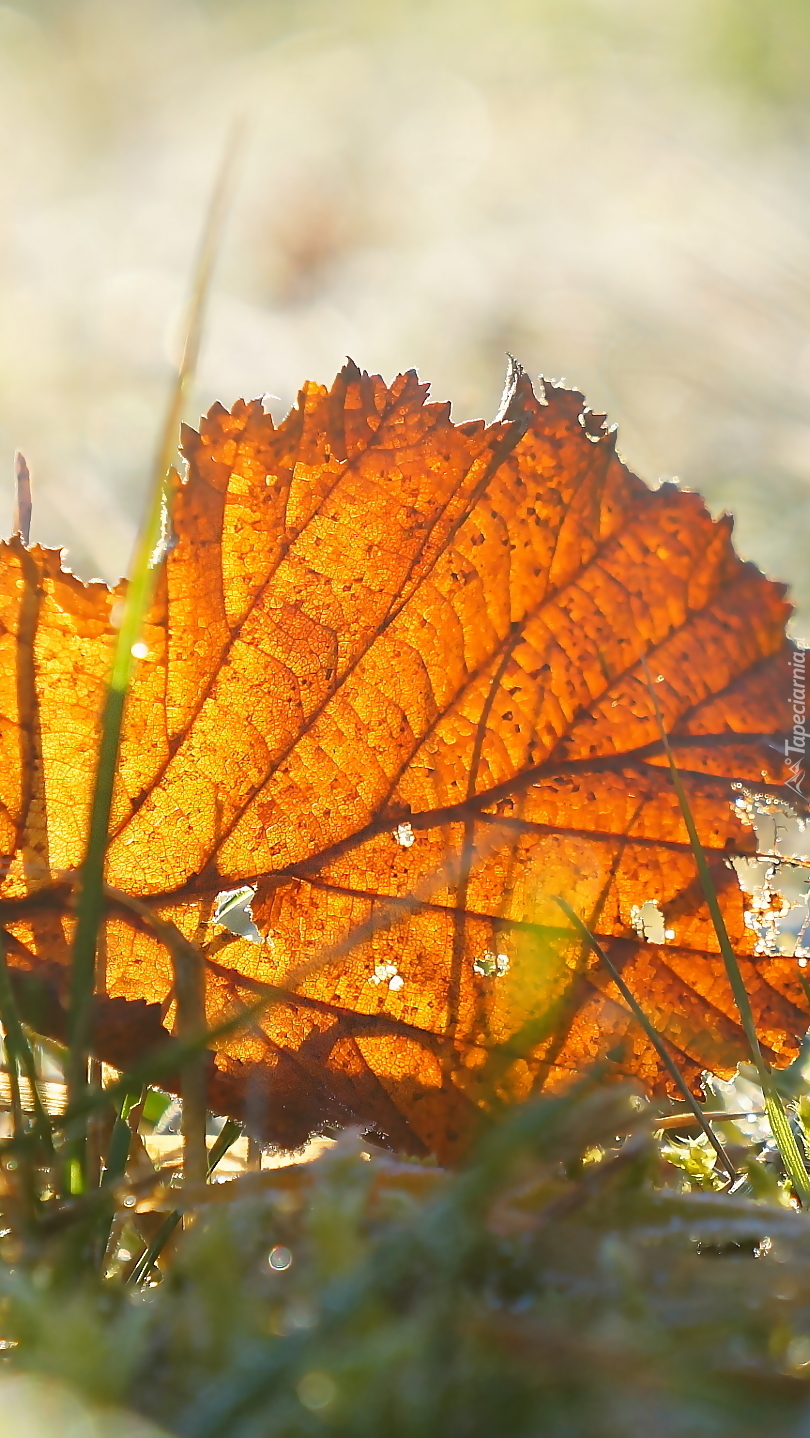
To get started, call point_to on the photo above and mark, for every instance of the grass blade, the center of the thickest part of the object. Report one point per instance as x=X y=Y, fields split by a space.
x=121 y=1138
x=18 y=1057
x=150 y=1255
x=20 y=1054
x=775 y=1108
x=228 y=1135
x=652 y=1034
x=139 y=593
x=189 y=990
x=115 y=1163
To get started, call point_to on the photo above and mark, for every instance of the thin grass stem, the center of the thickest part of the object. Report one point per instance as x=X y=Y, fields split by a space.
x=14 y=1085
x=228 y=1135
x=774 y=1107
x=121 y=1138
x=20 y=1053
x=139 y=594
x=653 y=1036
x=720 y=1115
x=189 y=990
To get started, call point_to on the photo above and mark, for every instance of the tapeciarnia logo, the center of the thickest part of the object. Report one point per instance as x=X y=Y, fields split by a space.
x=796 y=743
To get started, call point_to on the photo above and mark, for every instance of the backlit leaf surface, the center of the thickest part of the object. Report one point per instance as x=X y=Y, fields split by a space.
x=394 y=683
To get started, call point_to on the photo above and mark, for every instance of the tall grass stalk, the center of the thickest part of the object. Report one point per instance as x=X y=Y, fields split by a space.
x=20 y=1056
x=653 y=1036
x=227 y=1136
x=139 y=593
x=774 y=1106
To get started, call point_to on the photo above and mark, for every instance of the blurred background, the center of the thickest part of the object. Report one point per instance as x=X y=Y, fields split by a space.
x=614 y=190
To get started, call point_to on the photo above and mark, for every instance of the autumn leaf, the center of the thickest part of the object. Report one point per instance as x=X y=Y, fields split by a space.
x=393 y=682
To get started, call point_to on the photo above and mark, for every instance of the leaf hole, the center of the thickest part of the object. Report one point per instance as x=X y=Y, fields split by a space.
x=649 y=922
x=232 y=911
x=491 y=965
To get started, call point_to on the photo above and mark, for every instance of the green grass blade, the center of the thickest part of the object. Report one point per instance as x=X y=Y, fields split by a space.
x=652 y=1034
x=228 y=1135
x=121 y=1138
x=20 y=1054
x=139 y=593
x=14 y=1084
x=775 y=1108
x=150 y=1255
x=115 y=1163
x=189 y=991
x=18 y=1050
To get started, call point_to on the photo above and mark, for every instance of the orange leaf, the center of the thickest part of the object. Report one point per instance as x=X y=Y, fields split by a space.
x=394 y=683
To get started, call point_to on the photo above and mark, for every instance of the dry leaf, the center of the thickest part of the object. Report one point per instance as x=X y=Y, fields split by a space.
x=393 y=682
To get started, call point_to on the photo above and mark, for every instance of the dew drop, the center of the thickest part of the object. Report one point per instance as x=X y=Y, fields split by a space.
x=316 y=1390
x=279 y=1258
